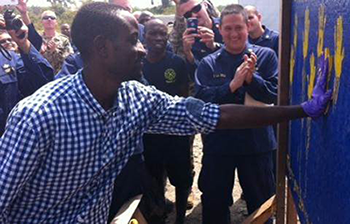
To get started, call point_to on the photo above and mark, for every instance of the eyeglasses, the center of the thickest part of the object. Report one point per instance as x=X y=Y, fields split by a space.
x=195 y=9
x=49 y=17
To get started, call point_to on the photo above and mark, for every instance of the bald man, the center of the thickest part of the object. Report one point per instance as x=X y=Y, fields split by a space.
x=167 y=155
x=258 y=33
x=125 y=4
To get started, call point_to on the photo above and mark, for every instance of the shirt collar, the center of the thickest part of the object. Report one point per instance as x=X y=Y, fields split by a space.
x=223 y=52
x=267 y=33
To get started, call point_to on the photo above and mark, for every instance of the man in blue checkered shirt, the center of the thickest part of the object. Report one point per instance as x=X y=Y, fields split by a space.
x=64 y=145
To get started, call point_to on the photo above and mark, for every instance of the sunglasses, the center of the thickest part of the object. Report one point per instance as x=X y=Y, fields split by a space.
x=195 y=9
x=49 y=17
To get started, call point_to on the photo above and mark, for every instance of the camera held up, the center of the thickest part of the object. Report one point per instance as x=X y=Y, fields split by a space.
x=13 y=21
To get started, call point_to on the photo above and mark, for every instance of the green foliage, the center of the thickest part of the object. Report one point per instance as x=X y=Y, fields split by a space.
x=62 y=2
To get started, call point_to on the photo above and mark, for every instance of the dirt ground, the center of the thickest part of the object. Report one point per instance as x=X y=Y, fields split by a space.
x=193 y=216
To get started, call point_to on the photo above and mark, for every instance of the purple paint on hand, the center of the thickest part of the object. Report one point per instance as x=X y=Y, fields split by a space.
x=316 y=106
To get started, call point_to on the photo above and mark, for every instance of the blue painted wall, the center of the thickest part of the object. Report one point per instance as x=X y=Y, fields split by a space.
x=319 y=163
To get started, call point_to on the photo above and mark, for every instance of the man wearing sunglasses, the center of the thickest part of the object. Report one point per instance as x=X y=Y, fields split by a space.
x=56 y=47
x=207 y=39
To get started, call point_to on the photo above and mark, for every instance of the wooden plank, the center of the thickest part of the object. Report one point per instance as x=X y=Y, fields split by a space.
x=283 y=99
x=261 y=215
x=292 y=215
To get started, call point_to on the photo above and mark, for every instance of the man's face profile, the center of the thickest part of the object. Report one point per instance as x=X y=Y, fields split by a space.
x=127 y=52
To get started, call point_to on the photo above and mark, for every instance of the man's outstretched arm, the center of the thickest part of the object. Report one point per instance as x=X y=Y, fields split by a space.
x=236 y=116
x=239 y=116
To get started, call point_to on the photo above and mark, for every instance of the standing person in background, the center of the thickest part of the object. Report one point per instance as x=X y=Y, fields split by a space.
x=65 y=29
x=33 y=36
x=125 y=4
x=218 y=80
x=74 y=61
x=56 y=47
x=145 y=16
x=258 y=33
x=7 y=42
x=20 y=74
x=262 y=36
x=167 y=155
x=176 y=35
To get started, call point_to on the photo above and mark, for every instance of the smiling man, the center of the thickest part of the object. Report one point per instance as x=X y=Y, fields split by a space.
x=248 y=150
x=197 y=45
x=65 y=145
x=167 y=155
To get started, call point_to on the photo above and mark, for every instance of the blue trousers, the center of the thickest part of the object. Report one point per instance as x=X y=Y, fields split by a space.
x=216 y=181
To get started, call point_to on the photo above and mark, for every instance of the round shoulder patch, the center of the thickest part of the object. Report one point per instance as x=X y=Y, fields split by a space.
x=170 y=75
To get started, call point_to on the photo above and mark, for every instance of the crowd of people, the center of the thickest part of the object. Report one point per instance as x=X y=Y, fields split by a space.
x=108 y=108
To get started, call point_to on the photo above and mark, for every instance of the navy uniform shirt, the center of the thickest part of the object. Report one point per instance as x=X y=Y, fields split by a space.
x=213 y=77
x=268 y=39
x=20 y=77
x=71 y=65
x=168 y=75
x=200 y=50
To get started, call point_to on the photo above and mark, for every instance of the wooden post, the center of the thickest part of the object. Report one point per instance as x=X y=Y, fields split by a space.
x=292 y=216
x=283 y=99
x=261 y=215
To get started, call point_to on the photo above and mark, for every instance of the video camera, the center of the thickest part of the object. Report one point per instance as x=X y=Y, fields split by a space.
x=12 y=21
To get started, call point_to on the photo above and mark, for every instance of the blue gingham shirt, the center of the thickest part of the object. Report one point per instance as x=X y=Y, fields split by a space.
x=61 y=151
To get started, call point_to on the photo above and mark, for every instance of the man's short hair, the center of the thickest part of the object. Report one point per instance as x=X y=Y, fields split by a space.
x=234 y=9
x=48 y=12
x=153 y=20
x=92 y=20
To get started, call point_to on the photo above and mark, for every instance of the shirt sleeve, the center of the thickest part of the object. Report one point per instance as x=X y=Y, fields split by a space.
x=19 y=157
x=265 y=81
x=180 y=116
x=33 y=71
x=34 y=37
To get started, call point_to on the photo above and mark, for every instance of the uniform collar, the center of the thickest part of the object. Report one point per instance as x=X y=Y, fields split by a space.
x=223 y=52
x=267 y=33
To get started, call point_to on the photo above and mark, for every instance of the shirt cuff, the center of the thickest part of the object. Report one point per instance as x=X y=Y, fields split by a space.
x=205 y=115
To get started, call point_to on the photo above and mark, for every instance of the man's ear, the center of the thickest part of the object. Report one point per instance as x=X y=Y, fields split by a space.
x=100 y=46
x=259 y=17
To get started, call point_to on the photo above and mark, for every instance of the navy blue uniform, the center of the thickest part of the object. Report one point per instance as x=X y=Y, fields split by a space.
x=34 y=37
x=248 y=150
x=71 y=65
x=167 y=155
x=20 y=77
x=200 y=50
x=268 y=39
